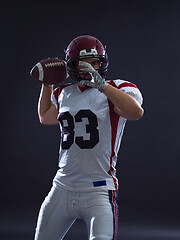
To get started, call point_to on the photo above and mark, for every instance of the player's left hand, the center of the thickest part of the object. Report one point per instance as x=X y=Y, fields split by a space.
x=98 y=82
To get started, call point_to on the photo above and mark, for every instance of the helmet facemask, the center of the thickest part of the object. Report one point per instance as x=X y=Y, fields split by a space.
x=77 y=74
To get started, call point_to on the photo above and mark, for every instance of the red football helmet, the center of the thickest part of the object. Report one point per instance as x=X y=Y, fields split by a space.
x=85 y=47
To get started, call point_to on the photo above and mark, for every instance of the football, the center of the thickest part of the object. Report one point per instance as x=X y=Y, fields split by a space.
x=50 y=71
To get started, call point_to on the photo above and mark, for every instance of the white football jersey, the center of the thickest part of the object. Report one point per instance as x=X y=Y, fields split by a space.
x=91 y=134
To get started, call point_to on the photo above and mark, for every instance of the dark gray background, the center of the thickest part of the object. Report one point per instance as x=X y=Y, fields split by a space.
x=142 y=39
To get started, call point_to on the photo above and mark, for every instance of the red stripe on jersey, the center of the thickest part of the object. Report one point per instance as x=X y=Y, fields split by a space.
x=56 y=94
x=114 y=118
x=112 y=83
x=126 y=84
x=114 y=124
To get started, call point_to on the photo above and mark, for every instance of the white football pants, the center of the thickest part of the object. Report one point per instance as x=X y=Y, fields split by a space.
x=61 y=208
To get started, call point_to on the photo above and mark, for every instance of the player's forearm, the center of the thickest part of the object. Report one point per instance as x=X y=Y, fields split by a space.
x=127 y=106
x=44 y=100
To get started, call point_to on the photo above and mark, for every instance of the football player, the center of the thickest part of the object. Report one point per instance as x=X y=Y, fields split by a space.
x=91 y=113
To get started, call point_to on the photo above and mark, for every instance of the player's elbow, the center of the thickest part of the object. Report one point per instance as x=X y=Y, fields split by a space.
x=42 y=120
x=45 y=120
x=138 y=113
